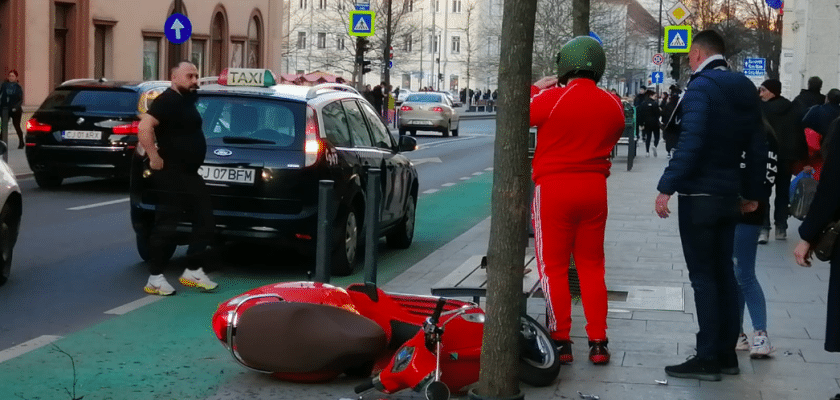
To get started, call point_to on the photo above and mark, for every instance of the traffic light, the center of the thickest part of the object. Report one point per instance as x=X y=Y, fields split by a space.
x=362 y=47
x=675 y=67
x=365 y=66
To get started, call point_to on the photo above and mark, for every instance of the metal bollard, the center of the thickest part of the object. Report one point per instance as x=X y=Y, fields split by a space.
x=372 y=223
x=323 y=245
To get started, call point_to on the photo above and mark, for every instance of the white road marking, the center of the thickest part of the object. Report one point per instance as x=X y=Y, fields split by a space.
x=444 y=143
x=26 y=347
x=126 y=308
x=448 y=184
x=421 y=161
x=430 y=191
x=464 y=178
x=477 y=173
x=104 y=203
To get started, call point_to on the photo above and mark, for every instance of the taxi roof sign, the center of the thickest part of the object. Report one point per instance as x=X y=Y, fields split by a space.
x=254 y=77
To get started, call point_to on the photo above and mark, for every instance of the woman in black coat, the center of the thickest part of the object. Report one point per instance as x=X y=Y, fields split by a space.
x=825 y=208
x=11 y=99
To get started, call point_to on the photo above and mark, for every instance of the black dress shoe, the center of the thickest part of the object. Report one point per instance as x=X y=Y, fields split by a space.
x=599 y=354
x=695 y=368
x=729 y=364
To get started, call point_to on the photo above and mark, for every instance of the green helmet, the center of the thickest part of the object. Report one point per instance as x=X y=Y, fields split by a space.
x=582 y=53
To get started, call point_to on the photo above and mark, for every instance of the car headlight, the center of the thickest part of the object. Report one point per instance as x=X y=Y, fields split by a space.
x=402 y=359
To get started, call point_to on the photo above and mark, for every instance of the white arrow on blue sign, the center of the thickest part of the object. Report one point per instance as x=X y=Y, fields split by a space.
x=177 y=28
x=754 y=63
x=657 y=77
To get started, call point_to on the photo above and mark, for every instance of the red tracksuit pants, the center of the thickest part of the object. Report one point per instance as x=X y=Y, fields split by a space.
x=569 y=216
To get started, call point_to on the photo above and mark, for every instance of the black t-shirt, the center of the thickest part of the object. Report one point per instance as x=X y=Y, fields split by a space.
x=180 y=139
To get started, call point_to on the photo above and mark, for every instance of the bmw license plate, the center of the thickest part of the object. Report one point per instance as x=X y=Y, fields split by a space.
x=82 y=135
x=224 y=174
x=421 y=122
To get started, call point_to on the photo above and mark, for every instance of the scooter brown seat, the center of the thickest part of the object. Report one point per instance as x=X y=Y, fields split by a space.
x=302 y=337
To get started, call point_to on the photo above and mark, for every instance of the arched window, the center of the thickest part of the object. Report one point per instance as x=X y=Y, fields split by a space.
x=218 y=37
x=254 y=43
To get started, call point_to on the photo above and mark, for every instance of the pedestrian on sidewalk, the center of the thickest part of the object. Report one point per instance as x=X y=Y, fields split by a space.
x=11 y=103
x=817 y=121
x=746 y=245
x=824 y=209
x=175 y=123
x=810 y=97
x=786 y=119
x=721 y=119
x=671 y=121
x=577 y=125
x=649 y=114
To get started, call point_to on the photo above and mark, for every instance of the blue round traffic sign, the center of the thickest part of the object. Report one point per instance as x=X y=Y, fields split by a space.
x=775 y=4
x=177 y=28
x=595 y=36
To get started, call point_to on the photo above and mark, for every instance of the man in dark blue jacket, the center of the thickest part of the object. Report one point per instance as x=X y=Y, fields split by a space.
x=819 y=117
x=720 y=122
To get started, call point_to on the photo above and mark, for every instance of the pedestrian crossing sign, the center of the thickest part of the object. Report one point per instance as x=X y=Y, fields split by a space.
x=677 y=38
x=361 y=23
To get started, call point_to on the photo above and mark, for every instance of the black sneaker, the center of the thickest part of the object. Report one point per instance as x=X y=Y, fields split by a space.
x=599 y=354
x=695 y=368
x=564 y=351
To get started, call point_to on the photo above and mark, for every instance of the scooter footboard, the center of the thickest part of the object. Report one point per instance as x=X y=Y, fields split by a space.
x=302 y=337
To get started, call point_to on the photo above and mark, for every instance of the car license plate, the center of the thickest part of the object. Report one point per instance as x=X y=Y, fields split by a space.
x=419 y=122
x=223 y=174
x=82 y=135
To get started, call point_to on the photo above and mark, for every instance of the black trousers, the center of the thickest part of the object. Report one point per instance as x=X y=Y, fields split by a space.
x=15 y=116
x=781 y=205
x=832 y=324
x=647 y=133
x=707 y=231
x=183 y=196
x=671 y=139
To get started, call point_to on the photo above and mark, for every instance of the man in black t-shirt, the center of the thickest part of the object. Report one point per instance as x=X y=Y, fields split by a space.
x=174 y=122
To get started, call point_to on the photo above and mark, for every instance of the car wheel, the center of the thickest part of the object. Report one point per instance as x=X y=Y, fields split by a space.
x=413 y=132
x=144 y=247
x=345 y=255
x=445 y=131
x=403 y=234
x=47 y=181
x=402 y=132
x=455 y=131
x=9 y=226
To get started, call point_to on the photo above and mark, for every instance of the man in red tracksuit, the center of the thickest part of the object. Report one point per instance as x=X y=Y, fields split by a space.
x=577 y=127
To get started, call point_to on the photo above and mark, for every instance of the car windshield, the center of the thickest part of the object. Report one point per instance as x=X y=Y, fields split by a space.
x=92 y=101
x=424 y=98
x=251 y=121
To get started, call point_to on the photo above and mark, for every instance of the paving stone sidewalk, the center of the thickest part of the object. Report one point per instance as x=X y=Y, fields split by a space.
x=644 y=255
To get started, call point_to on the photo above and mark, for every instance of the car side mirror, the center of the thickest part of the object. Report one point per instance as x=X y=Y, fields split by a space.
x=407 y=143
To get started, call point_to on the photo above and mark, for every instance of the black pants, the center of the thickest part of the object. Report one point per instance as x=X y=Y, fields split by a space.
x=707 y=231
x=182 y=194
x=781 y=206
x=832 y=324
x=671 y=139
x=16 y=121
x=647 y=133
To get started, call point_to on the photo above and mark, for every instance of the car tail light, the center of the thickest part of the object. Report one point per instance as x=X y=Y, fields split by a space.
x=312 y=146
x=127 y=129
x=405 y=108
x=34 y=126
x=437 y=109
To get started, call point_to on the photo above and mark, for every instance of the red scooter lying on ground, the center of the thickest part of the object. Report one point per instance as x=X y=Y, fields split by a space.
x=313 y=332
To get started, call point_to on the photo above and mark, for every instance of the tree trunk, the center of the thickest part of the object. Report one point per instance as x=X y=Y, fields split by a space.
x=500 y=349
x=580 y=17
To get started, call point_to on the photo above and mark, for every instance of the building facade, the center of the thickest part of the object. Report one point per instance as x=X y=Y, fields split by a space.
x=810 y=45
x=50 y=41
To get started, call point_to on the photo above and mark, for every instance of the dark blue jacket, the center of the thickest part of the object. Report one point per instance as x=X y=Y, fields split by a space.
x=720 y=122
x=819 y=117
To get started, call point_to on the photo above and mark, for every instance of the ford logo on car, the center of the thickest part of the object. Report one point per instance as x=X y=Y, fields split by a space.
x=222 y=152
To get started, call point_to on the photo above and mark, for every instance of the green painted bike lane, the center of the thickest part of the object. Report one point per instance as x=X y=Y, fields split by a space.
x=166 y=350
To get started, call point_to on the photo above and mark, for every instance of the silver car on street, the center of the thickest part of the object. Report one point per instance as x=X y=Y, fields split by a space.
x=428 y=111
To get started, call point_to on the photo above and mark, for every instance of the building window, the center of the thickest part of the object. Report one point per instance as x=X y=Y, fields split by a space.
x=151 y=58
x=218 y=38
x=437 y=5
x=407 y=43
x=197 y=54
x=62 y=25
x=456 y=44
x=301 y=43
x=339 y=43
x=302 y=3
x=237 y=50
x=102 y=36
x=434 y=40
x=322 y=40
x=493 y=45
x=410 y=5
x=254 y=43
x=456 y=6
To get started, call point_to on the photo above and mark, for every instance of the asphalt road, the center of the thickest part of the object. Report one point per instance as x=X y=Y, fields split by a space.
x=76 y=261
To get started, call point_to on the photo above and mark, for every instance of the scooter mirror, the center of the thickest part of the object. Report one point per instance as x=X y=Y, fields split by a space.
x=437 y=390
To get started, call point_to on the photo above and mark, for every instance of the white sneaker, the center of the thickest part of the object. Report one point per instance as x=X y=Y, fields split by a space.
x=743 y=343
x=197 y=279
x=648 y=154
x=158 y=285
x=761 y=346
x=654 y=152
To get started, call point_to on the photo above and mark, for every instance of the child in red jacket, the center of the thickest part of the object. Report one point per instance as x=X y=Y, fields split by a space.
x=577 y=127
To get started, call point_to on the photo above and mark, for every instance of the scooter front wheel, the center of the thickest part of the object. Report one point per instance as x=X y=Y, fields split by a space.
x=539 y=364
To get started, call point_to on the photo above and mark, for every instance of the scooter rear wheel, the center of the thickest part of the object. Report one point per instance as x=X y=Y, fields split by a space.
x=539 y=364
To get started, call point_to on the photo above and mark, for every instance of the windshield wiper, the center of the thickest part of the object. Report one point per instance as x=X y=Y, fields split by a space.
x=245 y=140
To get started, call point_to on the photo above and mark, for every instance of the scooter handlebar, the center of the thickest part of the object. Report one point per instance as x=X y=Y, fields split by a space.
x=363 y=387
x=438 y=310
